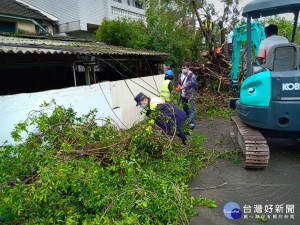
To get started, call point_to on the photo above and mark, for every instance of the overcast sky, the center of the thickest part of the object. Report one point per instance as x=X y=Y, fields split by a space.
x=219 y=5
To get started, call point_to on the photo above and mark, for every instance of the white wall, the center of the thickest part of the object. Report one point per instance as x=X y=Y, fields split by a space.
x=84 y=12
x=65 y=10
x=123 y=10
x=122 y=97
x=14 y=108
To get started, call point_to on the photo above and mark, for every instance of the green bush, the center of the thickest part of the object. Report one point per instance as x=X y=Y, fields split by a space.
x=166 y=31
x=124 y=32
x=72 y=171
x=285 y=27
x=214 y=106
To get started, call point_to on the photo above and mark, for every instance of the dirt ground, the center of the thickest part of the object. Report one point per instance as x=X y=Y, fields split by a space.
x=276 y=186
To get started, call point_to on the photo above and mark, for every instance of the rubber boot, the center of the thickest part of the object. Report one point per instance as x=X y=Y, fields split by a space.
x=183 y=138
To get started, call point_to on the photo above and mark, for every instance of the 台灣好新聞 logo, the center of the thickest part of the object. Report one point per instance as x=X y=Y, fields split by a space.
x=232 y=211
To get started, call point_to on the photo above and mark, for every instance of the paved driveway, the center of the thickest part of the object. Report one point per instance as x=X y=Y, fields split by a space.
x=277 y=185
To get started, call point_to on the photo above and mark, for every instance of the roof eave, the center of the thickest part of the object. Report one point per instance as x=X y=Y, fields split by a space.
x=260 y=8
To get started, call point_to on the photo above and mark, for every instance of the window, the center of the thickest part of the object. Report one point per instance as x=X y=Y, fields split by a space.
x=120 y=1
x=39 y=30
x=138 y=4
x=128 y=1
x=9 y=27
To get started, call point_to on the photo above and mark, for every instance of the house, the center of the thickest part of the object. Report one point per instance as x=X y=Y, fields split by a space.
x=84 y=75
x=16 y=17
x=75 y=16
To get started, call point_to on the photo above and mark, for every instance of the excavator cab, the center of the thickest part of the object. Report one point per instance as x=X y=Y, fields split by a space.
x=281 y=57
x=270 y=94
x=271 y=99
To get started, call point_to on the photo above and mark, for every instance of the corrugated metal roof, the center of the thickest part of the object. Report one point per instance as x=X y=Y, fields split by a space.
x=11 y=7
x=17 y=45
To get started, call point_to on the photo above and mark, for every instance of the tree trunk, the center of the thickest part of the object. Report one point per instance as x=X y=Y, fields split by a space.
x=203 y=29
x=222 y=31
x=199 y=19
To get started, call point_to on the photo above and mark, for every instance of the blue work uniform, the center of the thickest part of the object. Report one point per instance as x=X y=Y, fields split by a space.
x=171 y=115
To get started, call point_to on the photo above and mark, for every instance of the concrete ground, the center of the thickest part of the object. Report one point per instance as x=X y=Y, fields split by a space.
x=277 y=184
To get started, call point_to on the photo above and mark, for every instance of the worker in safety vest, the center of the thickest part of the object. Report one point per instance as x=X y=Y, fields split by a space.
x=169 y=115
x=209 y=26
x=167 y=86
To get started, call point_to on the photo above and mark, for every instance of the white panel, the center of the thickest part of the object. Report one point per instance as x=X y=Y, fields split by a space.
x=14 y=108
x=122 y=97
x=92 y=12
x=68 y=27
x=123 y=10
x=85 y=12
x=66 y=11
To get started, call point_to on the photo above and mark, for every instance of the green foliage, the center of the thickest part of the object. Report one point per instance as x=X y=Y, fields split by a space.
x=72 y=171
x=285 y=27
x=213 y=106
x=221 y=141
x=263 y=219
x=232 y=155
x=170 y=31
x=196 y=140
x=124 y=32
x=210 y=203
x=16 y=35
x=167 y=31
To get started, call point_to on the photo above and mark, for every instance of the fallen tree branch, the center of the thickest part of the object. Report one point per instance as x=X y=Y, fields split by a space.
x=207 y=188
x=78 y=152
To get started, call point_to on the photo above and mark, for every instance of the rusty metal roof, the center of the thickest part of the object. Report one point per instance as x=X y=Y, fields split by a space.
x=12 y=7
x=17 y=45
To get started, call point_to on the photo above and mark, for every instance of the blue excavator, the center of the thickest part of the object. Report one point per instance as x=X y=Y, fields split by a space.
x=269 y=102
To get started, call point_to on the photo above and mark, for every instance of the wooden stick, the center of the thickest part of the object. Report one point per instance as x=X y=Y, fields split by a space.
x=207 y=188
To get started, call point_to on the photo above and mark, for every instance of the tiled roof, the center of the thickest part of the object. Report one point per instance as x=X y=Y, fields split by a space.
x=14 y=8
x=17 y=45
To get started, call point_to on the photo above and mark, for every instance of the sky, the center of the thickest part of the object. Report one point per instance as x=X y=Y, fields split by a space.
x=219 y=5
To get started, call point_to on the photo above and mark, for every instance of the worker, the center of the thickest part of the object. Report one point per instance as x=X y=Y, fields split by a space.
x=187 y=84
x=171 y=116
x=209 y=26
x=167 y=86
x=271 y=40
x=229 y=39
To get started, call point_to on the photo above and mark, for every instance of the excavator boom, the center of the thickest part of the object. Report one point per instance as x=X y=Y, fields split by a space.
x=239 y=36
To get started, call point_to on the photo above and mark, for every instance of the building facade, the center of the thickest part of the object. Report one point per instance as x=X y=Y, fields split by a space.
x=83 y=75
x=85 y=15
x=16 y=17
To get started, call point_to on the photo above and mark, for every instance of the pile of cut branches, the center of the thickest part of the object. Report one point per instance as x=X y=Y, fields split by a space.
x=69 y=169
x=213 y=68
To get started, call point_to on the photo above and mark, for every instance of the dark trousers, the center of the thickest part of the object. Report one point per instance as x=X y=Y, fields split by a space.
x=189 y=109
x=181 y=134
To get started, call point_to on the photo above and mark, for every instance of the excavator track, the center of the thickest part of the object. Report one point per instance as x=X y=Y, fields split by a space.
x=252 y=142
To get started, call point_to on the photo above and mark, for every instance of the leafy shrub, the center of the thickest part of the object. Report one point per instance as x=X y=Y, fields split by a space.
x=124 y=32
x=213 y=106
x=166 y=31
x=73 y=171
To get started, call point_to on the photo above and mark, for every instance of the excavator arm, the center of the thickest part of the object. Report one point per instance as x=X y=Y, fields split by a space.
x=240 y=36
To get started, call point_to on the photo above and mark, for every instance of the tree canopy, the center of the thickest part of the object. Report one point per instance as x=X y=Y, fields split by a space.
x=176 y=27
